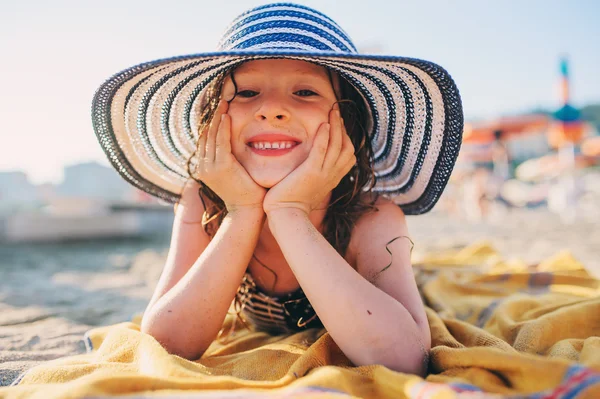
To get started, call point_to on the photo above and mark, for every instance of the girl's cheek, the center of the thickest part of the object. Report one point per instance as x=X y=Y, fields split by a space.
x=236 y=114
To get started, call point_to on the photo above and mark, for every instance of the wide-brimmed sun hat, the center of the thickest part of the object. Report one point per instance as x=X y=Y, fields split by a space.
x=146 y=117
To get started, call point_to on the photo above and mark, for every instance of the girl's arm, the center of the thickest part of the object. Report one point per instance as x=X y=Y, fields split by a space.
x=200 y=279
x=202 y=276
x=369 y=325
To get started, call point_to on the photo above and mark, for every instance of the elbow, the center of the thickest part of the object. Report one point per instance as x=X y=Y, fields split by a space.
x=402 y=355
x=415 y=358
x=170 y=341
x=413 y=361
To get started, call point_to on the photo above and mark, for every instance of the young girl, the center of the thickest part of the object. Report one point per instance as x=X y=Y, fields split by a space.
x=291 y=158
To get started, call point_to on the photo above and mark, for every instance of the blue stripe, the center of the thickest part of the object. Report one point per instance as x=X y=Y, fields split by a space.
x=19 y=378
x=571 y=371
x=487 y=312
x=89 y=346
x=285 y=13
x=461 y=387
x=286 y=25
x=539 y=283
x=591 y=380
x=298 y=7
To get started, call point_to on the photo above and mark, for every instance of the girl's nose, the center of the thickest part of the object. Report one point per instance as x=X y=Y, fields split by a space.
x=272 y=109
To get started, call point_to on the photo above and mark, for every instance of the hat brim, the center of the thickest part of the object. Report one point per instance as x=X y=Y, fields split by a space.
x=145 y=118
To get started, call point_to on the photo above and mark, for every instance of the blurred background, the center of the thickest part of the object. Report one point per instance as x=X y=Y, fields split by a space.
x=80 y=247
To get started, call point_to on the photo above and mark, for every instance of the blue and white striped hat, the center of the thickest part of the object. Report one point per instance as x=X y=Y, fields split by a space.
x=145 y=117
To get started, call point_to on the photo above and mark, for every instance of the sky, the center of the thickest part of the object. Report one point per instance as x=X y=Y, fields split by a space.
x=503 y=56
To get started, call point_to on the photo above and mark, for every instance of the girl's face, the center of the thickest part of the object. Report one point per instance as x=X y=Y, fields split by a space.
x=279 y=103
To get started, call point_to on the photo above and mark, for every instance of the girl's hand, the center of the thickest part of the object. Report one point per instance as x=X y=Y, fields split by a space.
x=219 y=169
x=330 y=159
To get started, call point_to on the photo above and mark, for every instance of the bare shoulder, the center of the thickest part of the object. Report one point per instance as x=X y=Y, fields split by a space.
x=386 y=214
x=380 y=225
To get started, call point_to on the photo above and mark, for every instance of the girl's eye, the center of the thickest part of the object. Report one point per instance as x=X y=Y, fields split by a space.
x=306 y=93
x=252 y=93
x=246 y=93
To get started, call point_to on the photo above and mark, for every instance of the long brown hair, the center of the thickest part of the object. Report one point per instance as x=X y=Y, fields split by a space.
x=348 y=201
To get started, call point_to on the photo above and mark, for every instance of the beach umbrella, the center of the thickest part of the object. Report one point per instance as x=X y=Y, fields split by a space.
x=566 y=131
x=567 y=127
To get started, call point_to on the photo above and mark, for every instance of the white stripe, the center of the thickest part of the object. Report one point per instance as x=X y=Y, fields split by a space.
x=418 y=131
x=186 y=146
x=398 y=131
x=282 y=30
x=257 y=305
x=154 y=110
x=161 y=97
x=433 y=151
x=437 y=132
x=260 y=313
x=144 y=164
x=143 y=159
x=378 y=139
x=285 y=8
x=293 y=45
x=306 y=21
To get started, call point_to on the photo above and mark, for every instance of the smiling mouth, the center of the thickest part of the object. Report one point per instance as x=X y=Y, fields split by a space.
x=277 y=145
x=271 y=149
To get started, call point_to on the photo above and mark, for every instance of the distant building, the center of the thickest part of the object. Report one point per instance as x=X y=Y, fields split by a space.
x=93 y=180
x=16 y=192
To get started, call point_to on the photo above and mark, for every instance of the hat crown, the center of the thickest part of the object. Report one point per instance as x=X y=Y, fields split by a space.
x=285 y=26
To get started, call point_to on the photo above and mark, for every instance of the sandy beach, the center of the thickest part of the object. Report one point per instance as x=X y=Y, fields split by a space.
x=50 y=295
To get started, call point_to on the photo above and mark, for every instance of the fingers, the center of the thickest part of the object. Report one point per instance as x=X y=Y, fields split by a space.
x=347 y=151
x=335 y=139
x=201 y=147
x=349 y=165
x=223 y=141
x=211 y=139
x=319 y=149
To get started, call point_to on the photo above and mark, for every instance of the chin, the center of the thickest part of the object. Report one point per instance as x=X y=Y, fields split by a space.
x=268 y=180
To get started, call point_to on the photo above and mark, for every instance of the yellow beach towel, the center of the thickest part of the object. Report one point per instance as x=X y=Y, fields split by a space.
x=499 y=329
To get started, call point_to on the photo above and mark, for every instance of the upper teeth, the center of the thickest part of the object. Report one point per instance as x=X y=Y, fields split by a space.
x=261 y=145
